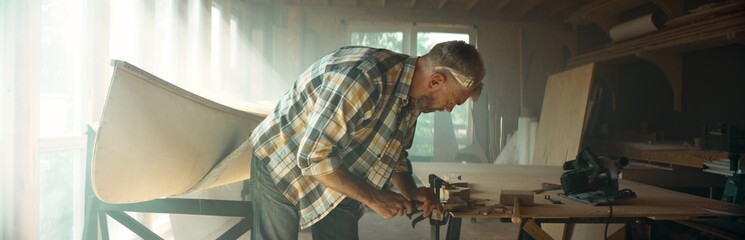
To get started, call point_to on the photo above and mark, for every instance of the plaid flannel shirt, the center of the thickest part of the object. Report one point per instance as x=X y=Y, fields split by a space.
x=349 y=109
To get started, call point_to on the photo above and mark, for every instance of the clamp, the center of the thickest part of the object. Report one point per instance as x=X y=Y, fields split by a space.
x=436 y=219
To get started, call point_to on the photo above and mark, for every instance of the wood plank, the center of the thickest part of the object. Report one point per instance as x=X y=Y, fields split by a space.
x=669 y=153
x=703 y=14
x=535 y=231
x=562 y=116
x=602 y=8
x=673 y=177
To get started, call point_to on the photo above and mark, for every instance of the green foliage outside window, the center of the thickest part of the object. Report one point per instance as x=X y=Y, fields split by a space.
x=388 y=40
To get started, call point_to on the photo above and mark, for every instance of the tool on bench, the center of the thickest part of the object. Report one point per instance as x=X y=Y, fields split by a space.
x=547 y=187
x=436 y=215
x=594 y=180
x=516 y=198
x=436 y=218
x=414 y=206
x=554 y=201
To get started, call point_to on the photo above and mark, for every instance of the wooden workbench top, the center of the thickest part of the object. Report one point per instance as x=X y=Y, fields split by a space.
x=487 y=180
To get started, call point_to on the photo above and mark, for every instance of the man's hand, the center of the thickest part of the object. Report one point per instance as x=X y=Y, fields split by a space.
x=389 y=204
x=405 y=183
x=384 y=202
x=428 y=199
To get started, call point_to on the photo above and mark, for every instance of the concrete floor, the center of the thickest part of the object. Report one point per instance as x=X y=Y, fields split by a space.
x=372 y=226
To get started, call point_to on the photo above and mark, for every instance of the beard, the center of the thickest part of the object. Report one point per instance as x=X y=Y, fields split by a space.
x=422 y=104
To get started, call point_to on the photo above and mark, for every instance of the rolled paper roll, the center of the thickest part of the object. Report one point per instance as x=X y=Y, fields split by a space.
x=636 y=27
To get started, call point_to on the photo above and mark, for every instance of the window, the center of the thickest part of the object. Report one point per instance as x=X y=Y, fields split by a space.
x=6 y=106
x=447 y=131
x=388 y=40
x=61 y=119
x=54 y=78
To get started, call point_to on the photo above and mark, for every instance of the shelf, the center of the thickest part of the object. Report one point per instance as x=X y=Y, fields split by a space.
x=720 y=30
x=604 y=12
x=663 y=48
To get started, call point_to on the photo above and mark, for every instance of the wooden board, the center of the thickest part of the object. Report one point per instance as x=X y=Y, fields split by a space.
x=663 y=153
x=156 y=140
x=486 y=181
x=731 y=6
x=562 y=116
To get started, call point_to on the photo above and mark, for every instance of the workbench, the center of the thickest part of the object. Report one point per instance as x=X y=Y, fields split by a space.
x=671 y=165
x=653 y=203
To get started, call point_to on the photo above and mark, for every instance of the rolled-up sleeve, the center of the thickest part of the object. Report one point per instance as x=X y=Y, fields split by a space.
x=404 y=164
x=329 y=125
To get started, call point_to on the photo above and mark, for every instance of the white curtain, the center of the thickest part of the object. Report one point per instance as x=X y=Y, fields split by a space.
x=54 y=73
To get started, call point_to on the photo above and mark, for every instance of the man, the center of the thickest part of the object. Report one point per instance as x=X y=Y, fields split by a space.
x=337 y=140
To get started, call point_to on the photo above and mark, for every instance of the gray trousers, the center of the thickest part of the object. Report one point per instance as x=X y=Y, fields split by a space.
x=276 y=218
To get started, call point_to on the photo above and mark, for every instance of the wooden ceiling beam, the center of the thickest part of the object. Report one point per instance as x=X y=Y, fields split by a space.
x=441 y=4
x=528 y=6
x=563 y=8
x=455 y=17
x=501 y=4
x=471 y=4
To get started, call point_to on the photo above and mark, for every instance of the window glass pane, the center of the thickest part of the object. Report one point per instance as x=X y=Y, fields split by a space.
x=56 y=185
x=389 y=40
x=7 y=62
x=59 y=75
x=426 y=40
x=61 y=118
x=5 y=99
x=423 y=145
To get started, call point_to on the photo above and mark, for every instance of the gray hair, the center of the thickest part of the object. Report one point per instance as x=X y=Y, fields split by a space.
x=460 y=61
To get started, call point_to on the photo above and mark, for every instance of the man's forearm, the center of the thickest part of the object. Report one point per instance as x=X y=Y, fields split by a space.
x=404 y=182
x=386 y=203
x=342 y=181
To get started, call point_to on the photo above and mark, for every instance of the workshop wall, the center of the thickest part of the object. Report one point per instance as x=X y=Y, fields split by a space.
x=643 y=103
x=712 y=93
x=292 y=37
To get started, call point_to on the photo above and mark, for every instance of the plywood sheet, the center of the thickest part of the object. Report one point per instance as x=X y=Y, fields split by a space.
x=562 y=116
x=156 y=140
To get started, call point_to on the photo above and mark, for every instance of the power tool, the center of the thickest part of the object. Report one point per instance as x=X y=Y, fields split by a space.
x=593 y=180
